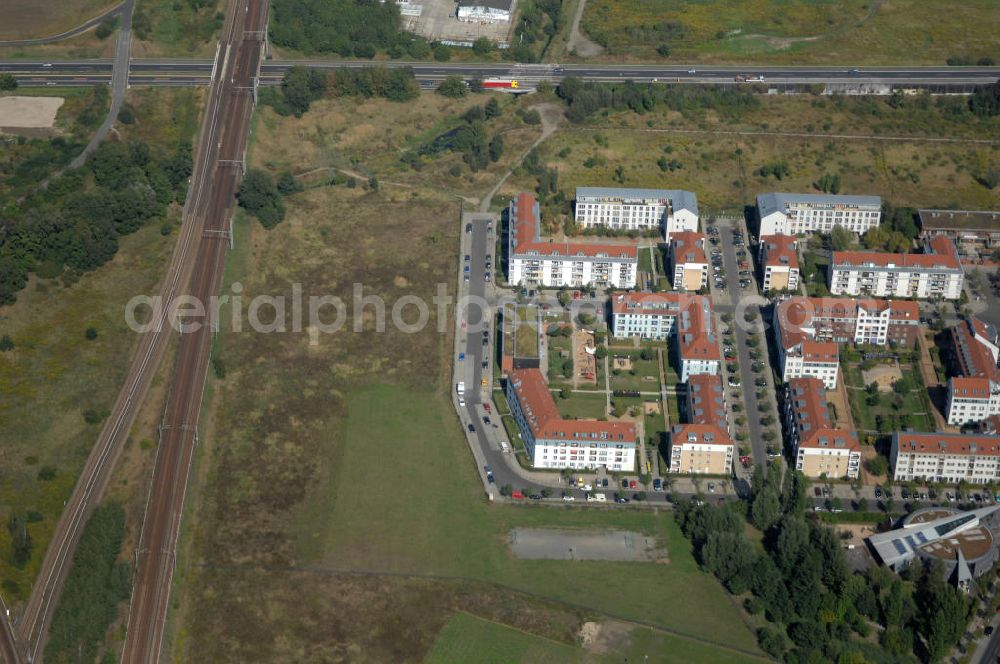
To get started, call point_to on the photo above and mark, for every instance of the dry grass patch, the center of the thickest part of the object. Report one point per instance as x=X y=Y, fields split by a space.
x=28 y=19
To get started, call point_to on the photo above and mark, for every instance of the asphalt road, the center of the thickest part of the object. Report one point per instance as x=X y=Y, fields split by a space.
x=229 y=119
x=724 y=304
x=181 y=71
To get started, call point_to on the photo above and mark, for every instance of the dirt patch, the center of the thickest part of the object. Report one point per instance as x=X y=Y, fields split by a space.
x=553 y=544
x=605 y=637
x=584 y=360
x=578 y=43
x=622 y=363
x=884 y=375
x=29 y=112
x=651 y=407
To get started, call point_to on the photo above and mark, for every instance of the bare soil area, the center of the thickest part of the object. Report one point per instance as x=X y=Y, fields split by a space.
x=29 y=112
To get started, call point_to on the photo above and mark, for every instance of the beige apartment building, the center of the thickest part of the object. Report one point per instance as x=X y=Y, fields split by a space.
x=703 y=449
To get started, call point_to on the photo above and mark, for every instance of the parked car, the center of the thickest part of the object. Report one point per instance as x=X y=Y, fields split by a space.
x=461 y=357
x=472 y=428
x=817 y=492
x=624 y=484
x=878 y=492
x=604 y=482
x=568 y=498
x=468 y=228
x=657 y=484
x=711 y=487
x=632 y=484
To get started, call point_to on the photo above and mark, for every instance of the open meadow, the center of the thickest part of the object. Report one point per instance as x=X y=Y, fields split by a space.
x=30 y=19
x=338 y=513
x=846 y=32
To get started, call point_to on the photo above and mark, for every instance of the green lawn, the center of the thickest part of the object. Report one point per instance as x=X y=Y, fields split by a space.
x=582 y=404
x=854 y=32
x=444 y=527
x=625 y=380
x=466 y=638
x=912 y=409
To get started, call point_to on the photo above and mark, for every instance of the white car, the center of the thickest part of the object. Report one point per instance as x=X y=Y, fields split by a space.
x=569 y=499
x=461 y=402
x=587 y=487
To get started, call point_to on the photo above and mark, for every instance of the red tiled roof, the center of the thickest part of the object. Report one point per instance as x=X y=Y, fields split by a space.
x=948 y=443
x=970 y=387
x=821 y=351
x=807 y=401
x=831 y=439
x=796 y=313
x=974 y=359
x=527 y=239
x=706 y=400
x=779 y=251
x=696 y=331
x=704 y=434
x=545 y=421
x=939 y=253
x=688 y=247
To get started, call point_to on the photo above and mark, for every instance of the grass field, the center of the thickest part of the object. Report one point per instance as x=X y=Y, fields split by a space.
x=339 y=499
x=856 y=32
x=721 y=156
x=582 y=404
x=28 y=19
x=178 y=28
x=55 y=374
x=914 y=405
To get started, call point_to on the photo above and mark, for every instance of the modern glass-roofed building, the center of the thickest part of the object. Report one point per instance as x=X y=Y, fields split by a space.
x=960 y=540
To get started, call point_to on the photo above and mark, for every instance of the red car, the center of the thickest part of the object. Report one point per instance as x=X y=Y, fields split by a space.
x=486 y=407
x=632 y=484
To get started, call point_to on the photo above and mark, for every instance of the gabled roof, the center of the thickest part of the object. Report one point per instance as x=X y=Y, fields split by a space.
x=688 y=247
x=939 y=254
x=970 y=387
x=779 y=251
x=833 y=439
x=526 y=225
x=696 y=331
x=679 y=199
x=807 y=404
x=778 y=202
x=706 y=400
x=545 y=421
x=699 y=434
x=798 y=316
x=947 y=443
x=974 y=358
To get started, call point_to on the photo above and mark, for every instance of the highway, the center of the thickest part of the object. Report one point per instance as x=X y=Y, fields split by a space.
x=197 y=72
x=225 y=132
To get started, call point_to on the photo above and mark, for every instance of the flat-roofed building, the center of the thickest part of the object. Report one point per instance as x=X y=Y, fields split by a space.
x=945 y=457
x=553 y=441
x=624 y=209
x=935 y=273
x=979 y=227
x=705 y=401
x=534 y=262
x=688 y=261
x=792 y=214
x=779 y=262
x=700 y=449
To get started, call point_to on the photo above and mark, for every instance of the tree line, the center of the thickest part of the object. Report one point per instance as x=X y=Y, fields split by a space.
x=96 y=585
x=800 y=582
x=75 y=223
x=584 y=98
x=348 y=28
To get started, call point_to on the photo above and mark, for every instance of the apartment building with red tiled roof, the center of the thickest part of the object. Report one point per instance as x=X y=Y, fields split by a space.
x=553 y=441
x=819 y=449
x=935 y=273
x=688 y=263
x=945 y=457
x=779 y=262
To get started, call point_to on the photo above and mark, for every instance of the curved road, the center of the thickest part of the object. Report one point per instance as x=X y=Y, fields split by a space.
x=73 y=32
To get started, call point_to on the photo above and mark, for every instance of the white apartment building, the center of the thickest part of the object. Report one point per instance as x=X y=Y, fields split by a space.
x=686 y=318
x=645 y=315
x=791 y=214
x=819 y=359
x=534 y=262
x=972 y=399
x=702 y=449
x=554 y=442
x=779 y=262
x=671 y=210
x=945 y=457
x=688 y=260
x=935 y=273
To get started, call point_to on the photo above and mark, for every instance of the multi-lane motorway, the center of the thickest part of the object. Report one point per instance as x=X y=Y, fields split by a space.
x=197 y=72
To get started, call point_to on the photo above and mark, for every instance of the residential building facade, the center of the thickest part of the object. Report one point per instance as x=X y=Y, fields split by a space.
x=779 y=263
x=552 y=441
x=792 y=214
x=972 y=399
x=819 y=449
x=671 y=210
x=945 y=457
x=645 y=315
x=976 y=227
x=935 y=273
x=702 y=449
x=533 y=262
x=688 y=262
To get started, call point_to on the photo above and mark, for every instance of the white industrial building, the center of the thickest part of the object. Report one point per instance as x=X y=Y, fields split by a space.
x=494 y=11
x=791 y=214
x=671 y=210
